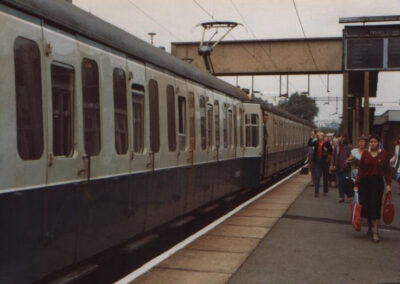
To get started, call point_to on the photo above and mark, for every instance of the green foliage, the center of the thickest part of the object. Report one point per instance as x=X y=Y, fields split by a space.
x=301 y=106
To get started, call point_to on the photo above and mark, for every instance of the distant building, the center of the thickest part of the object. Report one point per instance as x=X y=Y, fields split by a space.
x=387 y=126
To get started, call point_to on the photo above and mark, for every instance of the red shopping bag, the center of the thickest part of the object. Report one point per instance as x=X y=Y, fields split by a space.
x=355 y=209
x=388 y=208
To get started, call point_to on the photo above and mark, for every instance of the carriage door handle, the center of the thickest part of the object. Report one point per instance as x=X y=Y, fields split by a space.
x=87 y=169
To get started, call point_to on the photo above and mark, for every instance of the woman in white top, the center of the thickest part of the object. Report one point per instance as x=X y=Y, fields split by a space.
x=355 y=155
x=395 y=162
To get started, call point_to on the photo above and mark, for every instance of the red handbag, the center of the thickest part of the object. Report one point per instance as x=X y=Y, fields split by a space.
x=388 y=208
x=355 y=210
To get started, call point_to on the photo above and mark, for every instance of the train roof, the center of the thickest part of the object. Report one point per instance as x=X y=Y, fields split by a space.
x=265 y=106
x=69 y=17
x=77 y=21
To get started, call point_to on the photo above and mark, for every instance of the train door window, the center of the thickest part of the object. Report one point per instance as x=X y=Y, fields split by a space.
x=216 y=122
x=28 y=84
x=210 y=124
x=154 y=116
x=235 y=126
x=252 y=122
x=192 y=117
x=230 y=126
x=171 y=118
x=225 y=125
x=138 y=117
x=182 y=122
x=120 y=112
x=91 y=107
x=241 y=127
x=203 y=130
x=62 y=87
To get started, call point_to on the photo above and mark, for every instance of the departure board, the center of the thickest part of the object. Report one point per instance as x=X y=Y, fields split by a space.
x=364 y=53
x=372 y=48
x=394 y=53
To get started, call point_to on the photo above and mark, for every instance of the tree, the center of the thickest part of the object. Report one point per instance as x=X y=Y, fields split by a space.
x=300 y=106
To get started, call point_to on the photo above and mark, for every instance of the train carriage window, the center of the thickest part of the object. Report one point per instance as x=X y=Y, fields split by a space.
x=252 y=124
x=182 y=122
x=225 y=125
x=234 y=126
x=62 y=86
x=210 y=124
x=120 y=112
x=138 y=117
x=154 y=116
x=216 y=122
x=91 y=107
x=192 y=117
x=28 y=84
x=171 y=118
x=230 y=127
x=203 y=130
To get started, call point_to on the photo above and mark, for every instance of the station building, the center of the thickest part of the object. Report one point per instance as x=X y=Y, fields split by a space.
x=387 y=126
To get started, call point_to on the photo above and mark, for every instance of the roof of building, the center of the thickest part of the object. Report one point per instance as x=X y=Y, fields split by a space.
x=387 y=116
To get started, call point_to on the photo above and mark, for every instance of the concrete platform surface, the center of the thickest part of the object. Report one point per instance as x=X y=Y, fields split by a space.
x=215 y=256
x=315 y=243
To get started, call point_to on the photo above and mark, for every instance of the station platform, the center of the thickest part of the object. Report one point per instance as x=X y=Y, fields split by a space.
x=287 y=236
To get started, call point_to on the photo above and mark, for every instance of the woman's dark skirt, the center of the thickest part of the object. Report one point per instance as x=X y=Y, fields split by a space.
x=370 y=194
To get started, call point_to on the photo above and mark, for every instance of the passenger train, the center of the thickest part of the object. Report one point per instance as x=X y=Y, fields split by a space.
x=104 y=137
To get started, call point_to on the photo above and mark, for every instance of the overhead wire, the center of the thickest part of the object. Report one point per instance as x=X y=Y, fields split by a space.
x=308 y=44
x=256 y=38
x=257 y=60
x=154 y=20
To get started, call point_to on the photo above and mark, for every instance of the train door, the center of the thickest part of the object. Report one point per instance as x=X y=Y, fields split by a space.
x=184 y=153
x=213 y=154
x=253 y=141
x=140 y=158
x=23 y=106
x=117 y=76
x=266 y=126
x=162 y=116
x=66 y=160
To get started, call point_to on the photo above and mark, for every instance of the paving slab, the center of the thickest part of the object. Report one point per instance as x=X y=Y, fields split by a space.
x=261 y=213
x=206 y=261
x=172 y=276
x=239 y=231
x=266 y=205
x=227 y=244
x=251 y=221
x=314 y=243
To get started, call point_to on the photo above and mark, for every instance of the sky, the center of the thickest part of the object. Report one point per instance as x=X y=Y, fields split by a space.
x=177 y=21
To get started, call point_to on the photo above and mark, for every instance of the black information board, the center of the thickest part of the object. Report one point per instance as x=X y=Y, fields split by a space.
x=394 y=53
x=364 y=53
x=372 y=48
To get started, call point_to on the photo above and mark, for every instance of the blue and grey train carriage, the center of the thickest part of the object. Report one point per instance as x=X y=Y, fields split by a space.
x=104 y=137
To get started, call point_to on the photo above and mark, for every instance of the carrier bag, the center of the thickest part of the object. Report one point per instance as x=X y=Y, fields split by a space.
x=388 y=208
x=304 y=170
x=355 y=209
x=348 y=185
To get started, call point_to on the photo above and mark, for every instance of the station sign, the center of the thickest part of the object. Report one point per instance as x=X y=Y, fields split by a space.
x=371 y=48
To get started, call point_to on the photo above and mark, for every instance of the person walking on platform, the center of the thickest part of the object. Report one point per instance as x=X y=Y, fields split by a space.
x=373 y=168
x=395 y=162
x=339 y=163
x=322 y=151
x=355 y=155
x=310 y=158
x=332 y=173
